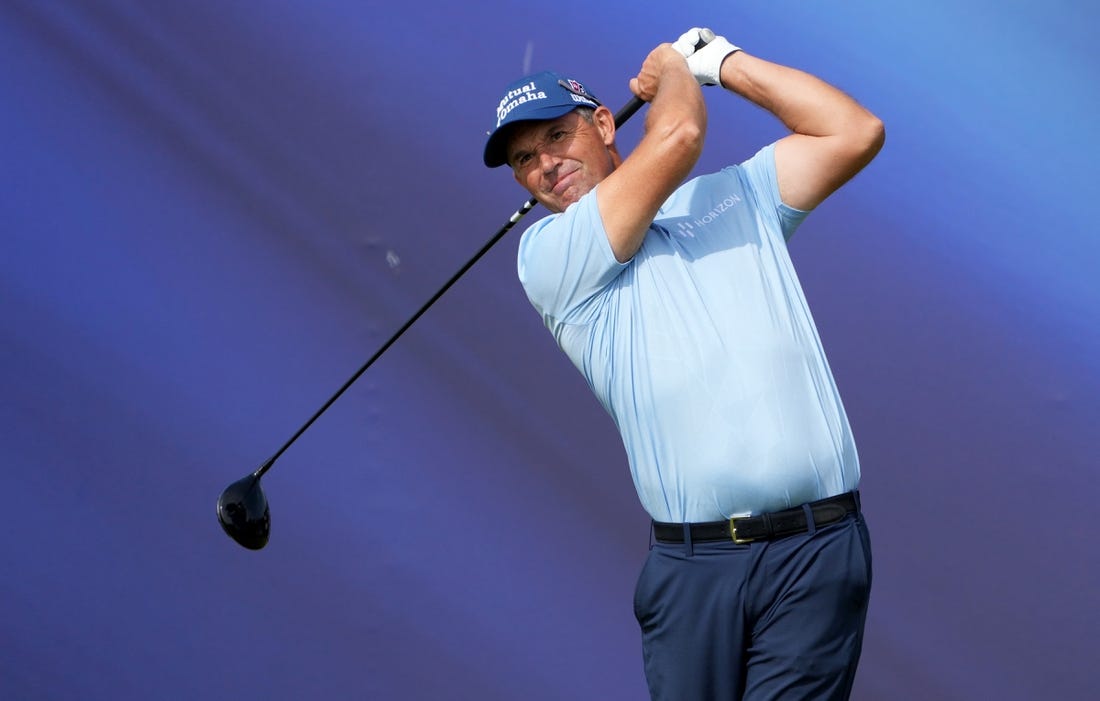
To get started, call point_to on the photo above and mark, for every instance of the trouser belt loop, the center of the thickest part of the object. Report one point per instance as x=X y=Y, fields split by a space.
x=859 y=505
x=689 y=547
x=811 y=525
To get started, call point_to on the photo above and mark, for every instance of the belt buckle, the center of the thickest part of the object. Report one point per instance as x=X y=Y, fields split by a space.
x=733 y=534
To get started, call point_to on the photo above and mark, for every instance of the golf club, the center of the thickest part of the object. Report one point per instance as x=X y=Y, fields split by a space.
x=242 y=508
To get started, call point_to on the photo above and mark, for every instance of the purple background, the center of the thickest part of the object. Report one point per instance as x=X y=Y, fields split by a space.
x=213 y=212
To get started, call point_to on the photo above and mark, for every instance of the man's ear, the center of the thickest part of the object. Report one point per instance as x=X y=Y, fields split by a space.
x=605 y=122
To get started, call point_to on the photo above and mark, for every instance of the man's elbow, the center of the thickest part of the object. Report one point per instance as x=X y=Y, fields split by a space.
x=859 y=143
x=685 y=139
x=871 y=137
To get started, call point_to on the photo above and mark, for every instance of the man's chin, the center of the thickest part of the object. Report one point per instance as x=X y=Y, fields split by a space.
x=558 y=203
x=570 y=196
x=555 y=205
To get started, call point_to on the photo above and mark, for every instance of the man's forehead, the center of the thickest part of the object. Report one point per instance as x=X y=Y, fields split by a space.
x=528 y=131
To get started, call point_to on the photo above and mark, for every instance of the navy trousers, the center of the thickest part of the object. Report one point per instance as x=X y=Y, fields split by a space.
x=779 y=619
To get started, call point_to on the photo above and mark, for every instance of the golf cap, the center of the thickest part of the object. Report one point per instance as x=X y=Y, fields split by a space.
x=535 y=97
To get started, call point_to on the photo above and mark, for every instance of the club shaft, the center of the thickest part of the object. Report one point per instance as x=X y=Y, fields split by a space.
x=527 y=206
x=621 y=117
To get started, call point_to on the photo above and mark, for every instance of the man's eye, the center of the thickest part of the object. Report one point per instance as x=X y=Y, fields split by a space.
x=558 y=135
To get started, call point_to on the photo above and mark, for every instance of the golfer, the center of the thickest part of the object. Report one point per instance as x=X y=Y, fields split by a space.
x=677 y=301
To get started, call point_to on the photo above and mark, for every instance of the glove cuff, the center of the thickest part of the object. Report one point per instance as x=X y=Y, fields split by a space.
x=706 y=63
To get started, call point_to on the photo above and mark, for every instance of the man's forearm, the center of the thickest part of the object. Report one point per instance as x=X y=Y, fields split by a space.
x=805 y=104
x=833 y=137
x=675 y=126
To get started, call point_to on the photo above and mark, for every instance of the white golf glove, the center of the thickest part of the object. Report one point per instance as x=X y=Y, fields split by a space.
x=706 y=63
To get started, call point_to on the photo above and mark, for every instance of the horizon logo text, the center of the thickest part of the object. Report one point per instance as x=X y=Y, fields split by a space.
x=687 y=229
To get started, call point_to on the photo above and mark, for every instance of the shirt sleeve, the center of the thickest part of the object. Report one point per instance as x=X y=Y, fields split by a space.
x=565 y=261
x=761 y=180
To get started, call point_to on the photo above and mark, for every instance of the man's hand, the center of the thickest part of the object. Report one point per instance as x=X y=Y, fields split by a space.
x=706 y=63
x=649 y=75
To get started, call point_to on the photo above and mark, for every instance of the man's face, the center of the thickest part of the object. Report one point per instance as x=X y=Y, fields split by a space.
x=560 y=160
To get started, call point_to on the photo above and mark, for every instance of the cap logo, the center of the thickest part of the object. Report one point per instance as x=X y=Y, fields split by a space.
x=578 y=93
x=514 y=98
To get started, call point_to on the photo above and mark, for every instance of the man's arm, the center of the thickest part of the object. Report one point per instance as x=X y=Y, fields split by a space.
x=834 y=137
x=675 y=125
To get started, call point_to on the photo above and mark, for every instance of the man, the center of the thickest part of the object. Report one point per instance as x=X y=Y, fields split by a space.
x=679 y=304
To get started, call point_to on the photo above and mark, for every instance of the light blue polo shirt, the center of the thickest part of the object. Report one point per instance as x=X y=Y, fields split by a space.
x=701 y=347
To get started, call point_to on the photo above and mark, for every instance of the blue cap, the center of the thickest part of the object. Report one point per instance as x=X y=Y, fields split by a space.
x=539 y=96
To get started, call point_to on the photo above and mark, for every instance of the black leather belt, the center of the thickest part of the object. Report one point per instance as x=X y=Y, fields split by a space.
x=778 y=524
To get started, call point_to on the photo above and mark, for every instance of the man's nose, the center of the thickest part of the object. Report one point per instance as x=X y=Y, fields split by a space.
x=547 y=161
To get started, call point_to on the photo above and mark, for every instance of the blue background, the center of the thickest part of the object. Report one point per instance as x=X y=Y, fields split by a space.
x=213 y=212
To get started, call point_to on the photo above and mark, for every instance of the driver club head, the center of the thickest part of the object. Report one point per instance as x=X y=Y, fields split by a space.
x=243 y=512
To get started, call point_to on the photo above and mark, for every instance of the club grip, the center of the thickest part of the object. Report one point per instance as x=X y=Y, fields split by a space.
x=705 y=37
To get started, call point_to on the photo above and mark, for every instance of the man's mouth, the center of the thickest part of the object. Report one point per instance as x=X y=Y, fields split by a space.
x=563 y=183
